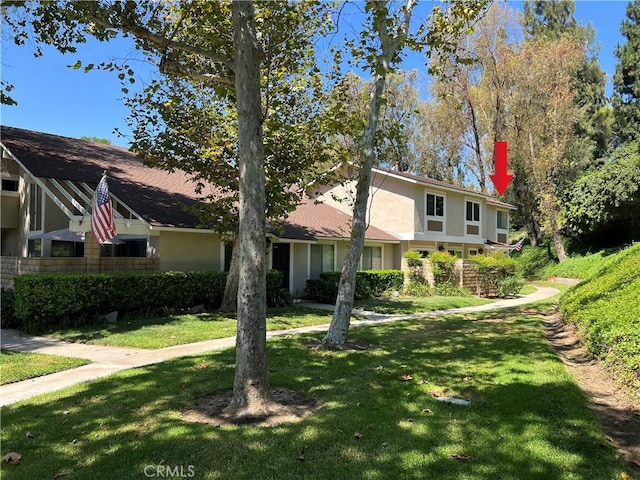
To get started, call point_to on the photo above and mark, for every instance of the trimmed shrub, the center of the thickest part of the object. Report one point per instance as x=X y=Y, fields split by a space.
x=492 y=270
x=45 y=302
x=8 y=309
x=531 y=261
x=442 y=265
x=276 y=295
x=369 y=284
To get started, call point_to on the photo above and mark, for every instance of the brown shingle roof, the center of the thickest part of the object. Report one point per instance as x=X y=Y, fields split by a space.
x=317 y=220
x=156 y=195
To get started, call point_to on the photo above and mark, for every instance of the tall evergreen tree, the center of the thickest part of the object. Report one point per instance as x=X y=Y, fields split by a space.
x=626 y=81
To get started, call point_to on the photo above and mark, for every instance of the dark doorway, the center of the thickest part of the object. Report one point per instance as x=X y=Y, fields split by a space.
x=281 y=262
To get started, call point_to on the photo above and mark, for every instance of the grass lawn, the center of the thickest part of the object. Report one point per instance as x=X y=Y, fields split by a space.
x=160 y=332
x=417 y=304
x=17 y=366
x=528 y=420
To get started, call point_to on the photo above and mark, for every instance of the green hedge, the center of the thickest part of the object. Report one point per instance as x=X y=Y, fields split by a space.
x=606 y=308
x=496 y=273
x=369 y=284
x=44 y=302
x=8 y=309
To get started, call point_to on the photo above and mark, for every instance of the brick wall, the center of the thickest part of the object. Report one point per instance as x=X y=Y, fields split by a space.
x=12 y=266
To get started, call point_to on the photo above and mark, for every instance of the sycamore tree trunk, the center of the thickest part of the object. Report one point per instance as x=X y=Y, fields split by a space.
x=336 y=336
x=230 y=297
x=251 y=391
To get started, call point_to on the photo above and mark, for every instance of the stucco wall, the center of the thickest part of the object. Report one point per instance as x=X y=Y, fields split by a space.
x=185 y=251
x=391 y=204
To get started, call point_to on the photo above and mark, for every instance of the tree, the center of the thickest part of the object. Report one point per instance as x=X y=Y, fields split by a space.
x=177 y=36
x=104 y=141
x=626 y=81
x=544 y=112
x=602 y=206
x=380 y=45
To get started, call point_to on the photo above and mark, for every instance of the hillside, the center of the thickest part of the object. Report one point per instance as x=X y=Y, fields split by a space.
x=606 y=309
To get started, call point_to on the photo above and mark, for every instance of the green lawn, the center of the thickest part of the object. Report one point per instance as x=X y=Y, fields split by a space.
x=17 y=366
x=160 y=332
x=528 y=420
x=417 y=304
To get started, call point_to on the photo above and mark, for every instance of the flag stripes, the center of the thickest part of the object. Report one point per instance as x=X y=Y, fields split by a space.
x=102 y=223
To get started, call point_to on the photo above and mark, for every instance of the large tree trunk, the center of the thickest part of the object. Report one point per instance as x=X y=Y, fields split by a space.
x=336 y=337
x=251 y=391
x=230 y=297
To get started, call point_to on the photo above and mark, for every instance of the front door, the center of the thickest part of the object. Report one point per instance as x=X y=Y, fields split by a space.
x=281 y=261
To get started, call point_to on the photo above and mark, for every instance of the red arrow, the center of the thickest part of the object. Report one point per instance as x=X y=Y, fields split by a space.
x=500 y=178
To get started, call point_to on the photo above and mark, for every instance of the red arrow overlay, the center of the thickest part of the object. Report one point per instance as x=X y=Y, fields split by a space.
x=500 y=178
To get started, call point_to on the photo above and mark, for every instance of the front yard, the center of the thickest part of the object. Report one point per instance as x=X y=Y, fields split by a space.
x=379 y=417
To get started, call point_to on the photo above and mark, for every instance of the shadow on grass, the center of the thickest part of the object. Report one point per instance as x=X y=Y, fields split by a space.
x=528 y=419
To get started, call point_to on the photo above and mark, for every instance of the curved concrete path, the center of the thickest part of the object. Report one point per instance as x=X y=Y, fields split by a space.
x=107 y=360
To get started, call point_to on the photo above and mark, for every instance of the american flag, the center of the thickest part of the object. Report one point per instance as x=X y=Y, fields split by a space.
x=518 y=246
x=102 y=224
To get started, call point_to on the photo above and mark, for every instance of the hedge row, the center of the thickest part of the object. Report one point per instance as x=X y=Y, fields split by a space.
x=44 y=302
x=369 y=284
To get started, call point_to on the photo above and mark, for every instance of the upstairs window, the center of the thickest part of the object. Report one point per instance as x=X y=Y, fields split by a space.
x=472 y=218
x=435 y=208
x=502 y=220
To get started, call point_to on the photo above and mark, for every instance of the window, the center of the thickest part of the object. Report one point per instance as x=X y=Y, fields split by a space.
x=9 y=185
x=372 y=258
x=35 y=207
x=322 y=260
x=435 y=205
x=61 y=248
x=502 y=220
x=455 y=253
x=434 y=213
x=472 y=218
x=473 y=211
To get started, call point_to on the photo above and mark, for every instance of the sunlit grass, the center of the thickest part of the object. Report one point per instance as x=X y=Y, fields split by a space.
x=17 y=366
x=408 y=305
x=528 y=419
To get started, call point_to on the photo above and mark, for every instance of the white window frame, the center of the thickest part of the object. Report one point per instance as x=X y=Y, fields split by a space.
x=472 y=222
x=503 y=230
x=435 y=217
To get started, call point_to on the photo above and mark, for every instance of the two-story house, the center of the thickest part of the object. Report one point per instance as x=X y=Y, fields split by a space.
x=426 y=214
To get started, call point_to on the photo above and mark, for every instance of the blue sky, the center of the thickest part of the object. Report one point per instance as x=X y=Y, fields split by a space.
x=55 y=99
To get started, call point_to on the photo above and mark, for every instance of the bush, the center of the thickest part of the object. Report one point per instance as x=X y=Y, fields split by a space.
x=492 y=271
x=442 y=266
x=510 y=286
x=369 y=284
x=417 y=289
x=8 y=309
x=532 y=260
x=414 y=262
x=45 y=302
x=276 y=295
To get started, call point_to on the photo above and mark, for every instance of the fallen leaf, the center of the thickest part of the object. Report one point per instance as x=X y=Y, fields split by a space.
x=12 y=458
x=624 y=476
x=29 y=435
x=467 y=379
x=60 y=475
x=426 y=410
x=406 y=378
x=74 y=441
x=358 y=435
x=66 y=412
x=301 y=455
x=410 y=420
x=460 y=456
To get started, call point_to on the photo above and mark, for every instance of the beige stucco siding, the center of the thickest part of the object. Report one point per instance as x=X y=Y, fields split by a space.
x=490 y=222
x=455 y=214
x=391 y=204
x=186 y=251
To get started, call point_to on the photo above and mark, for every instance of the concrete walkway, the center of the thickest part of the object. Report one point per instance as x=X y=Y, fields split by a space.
x=108 y=360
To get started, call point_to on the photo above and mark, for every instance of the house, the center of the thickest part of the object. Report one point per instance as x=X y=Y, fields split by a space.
x=48 y=183
x=426 y=214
